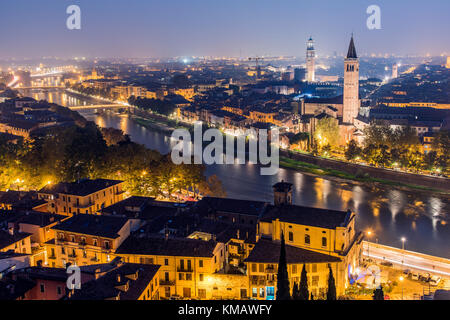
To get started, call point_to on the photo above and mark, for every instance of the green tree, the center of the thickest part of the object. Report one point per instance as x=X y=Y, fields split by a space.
x=327 y=133
x=352 y=151
x=331 y=293
x=283 y=287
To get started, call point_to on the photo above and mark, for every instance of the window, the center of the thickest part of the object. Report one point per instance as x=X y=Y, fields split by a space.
x=42 y=288
x=63 y=250
x=261 y=292
x=167 y=291
x=166 y=276
x=261 y=267
x=72 y=238
x=166 y=262
x=181 y=276
x=95 y=242
x=189 y=276
x=253 y=267
x=59 y=290
x=201 y=277
x=294 y=268
x=291 y=236
x=255 y=292
x=307 y=239
x=200 y=263
x=106 y=244
x=314 y=268
x=324 y=241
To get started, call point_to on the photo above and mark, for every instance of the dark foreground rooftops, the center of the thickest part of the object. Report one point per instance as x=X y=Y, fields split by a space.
x=247 y=207
x=81 y=188
x=157 y=245
x=314 y=217
x=101 y=226
x=267 y=251
x=127 y=282
x=7 y=239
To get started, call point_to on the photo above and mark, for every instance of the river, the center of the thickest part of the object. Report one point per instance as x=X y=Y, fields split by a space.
x=422 y=218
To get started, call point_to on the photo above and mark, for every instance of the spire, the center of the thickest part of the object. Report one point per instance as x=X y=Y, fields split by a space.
x=352 y=50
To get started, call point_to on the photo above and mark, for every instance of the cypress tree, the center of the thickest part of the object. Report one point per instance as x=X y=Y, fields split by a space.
x=378 y=294
x=295 y=292
x=331 y=293
x=303 y=290
x=283 y=287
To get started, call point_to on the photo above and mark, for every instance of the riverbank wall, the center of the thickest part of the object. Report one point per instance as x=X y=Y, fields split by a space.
x=378 y=173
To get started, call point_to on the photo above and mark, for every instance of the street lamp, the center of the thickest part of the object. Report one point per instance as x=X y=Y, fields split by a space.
x=401 y=281
x=403 y=250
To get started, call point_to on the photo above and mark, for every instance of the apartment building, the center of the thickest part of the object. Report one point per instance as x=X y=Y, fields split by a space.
x=185 y=263
x=82 y=197
x=86 y=239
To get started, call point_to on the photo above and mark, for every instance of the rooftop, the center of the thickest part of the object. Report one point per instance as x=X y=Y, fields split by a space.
x=101 y=226
x=314 y=217
x=127 y=282
x=157 y=245
x=247 y=207
x=80 y=188
x=267 y=251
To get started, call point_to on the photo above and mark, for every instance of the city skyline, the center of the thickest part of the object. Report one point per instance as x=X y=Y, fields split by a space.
x=199 y=28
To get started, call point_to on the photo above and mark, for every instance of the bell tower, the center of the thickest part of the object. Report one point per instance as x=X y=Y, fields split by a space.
x=282 y=192
x=351 y=85
x=310 y=61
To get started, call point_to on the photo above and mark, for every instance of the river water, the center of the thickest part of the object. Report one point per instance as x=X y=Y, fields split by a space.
x=422 y=218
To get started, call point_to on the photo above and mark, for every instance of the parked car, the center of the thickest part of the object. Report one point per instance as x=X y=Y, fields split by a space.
x=414 y=276
x=425 y=277
x=435 y=280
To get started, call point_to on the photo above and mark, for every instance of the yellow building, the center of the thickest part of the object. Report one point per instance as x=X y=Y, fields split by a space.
x=259 y=115
x=185 y=263
x=12 y=239
x=85 y=196
x=86 y=239
x=328 y=232
x=187 y=93
x=262 y=269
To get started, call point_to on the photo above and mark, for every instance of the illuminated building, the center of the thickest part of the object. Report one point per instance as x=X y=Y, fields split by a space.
x=310 y=61
x=84 y=196
x=315 y=237
x=448 y=63
x=86 y=239
x=395 y=71
x=185 y=263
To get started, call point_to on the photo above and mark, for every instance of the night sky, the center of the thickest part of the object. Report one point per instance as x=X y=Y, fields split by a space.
x=168 y=28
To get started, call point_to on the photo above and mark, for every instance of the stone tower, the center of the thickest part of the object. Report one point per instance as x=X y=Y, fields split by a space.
x=282 y=192
x=310 y=61
x=351 y=85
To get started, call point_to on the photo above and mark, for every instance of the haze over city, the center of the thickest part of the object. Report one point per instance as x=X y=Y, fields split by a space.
x=137 y=29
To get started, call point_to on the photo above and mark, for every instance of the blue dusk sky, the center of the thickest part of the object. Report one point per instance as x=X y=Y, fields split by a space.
x=168 y=28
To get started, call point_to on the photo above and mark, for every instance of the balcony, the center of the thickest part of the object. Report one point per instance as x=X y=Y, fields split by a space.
x=166 y=283
x=184 y=269
x=95 y=259
x=72 y=255
x=271 y=270
x=52 y=257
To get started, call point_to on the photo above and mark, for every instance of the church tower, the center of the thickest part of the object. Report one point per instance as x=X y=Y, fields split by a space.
x=351 y=85
x=310 y=61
